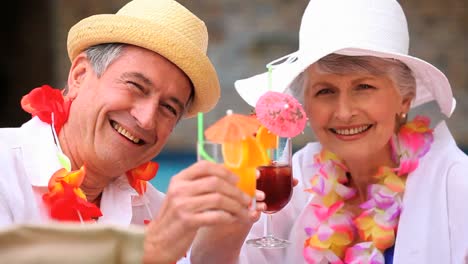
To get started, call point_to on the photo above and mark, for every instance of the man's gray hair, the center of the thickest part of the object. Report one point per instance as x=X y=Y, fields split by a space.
x=102 y=55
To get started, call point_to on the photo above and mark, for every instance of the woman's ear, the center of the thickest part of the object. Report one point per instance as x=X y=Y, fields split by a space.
x=406 y=104
x=76 y=77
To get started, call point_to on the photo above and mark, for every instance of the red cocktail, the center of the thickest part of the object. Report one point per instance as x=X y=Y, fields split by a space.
x=276 y=182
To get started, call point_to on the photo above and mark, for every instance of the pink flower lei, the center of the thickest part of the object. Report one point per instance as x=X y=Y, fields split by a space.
x=331 y=235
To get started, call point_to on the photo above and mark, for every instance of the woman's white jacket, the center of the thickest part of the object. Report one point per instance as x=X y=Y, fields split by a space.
x=433 y=226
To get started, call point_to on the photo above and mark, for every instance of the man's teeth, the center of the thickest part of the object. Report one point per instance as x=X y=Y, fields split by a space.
x=351 y=131
x=125 y=133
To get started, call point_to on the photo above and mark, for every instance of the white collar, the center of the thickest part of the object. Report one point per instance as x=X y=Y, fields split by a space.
x=39 y=152
x=40 y=155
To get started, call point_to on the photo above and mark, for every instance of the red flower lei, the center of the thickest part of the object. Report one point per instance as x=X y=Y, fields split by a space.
x=65 y=199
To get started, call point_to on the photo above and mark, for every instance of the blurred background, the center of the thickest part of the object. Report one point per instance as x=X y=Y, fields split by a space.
x=244 y=36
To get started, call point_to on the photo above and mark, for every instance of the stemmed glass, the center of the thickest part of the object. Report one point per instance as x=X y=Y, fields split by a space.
x=276 y=181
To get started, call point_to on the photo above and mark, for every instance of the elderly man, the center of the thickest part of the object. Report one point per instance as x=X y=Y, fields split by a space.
x=86 y=155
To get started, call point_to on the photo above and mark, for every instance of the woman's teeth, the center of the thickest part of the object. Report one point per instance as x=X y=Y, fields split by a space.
x=351 y=131
x=125 y=133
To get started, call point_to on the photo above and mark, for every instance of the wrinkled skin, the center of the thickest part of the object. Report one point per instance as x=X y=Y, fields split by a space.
x=146 y=95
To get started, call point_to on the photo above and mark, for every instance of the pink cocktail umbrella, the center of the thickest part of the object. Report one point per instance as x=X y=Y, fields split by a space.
x=281 y=113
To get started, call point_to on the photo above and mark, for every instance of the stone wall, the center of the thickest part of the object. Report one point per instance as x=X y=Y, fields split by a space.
x=245 y=35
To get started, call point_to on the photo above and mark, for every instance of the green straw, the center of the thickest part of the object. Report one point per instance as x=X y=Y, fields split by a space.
x=201 y=149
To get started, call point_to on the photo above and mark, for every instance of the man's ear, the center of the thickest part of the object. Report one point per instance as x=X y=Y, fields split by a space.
x=79 y=69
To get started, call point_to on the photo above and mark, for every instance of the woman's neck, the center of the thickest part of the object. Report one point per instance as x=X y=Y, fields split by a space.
x=363 y=169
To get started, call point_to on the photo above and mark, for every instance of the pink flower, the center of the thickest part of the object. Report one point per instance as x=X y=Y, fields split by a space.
x=364 y=253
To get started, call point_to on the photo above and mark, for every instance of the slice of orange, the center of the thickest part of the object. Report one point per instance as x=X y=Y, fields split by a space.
x=257 y=155
x=242 y=158
x=235 y=154
x=245 y=153
x=247 y=179
x=266 y=139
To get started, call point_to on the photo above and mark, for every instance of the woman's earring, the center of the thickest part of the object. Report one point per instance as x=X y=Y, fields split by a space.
x=403 y=118
x=400 y=121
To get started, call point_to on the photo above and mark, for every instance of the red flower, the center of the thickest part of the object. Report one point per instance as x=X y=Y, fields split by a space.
x=73 y=178
x=138 y=176
x=45 y=100
x=66 y=201
x=69 y=206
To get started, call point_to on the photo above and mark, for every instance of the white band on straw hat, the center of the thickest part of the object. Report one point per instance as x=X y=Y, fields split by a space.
x=355 y=28
x=163 y=26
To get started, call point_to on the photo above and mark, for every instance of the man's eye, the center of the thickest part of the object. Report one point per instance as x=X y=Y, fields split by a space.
x=171 y=109
x=136 y=85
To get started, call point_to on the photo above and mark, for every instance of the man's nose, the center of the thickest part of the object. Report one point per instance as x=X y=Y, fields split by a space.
x=145 y=114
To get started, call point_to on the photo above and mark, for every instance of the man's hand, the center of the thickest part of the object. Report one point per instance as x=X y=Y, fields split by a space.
x=204 y=194
x=223 y=243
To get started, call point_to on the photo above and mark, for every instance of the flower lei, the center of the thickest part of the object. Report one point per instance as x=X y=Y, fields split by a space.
x=65 y=199
x=332 y=233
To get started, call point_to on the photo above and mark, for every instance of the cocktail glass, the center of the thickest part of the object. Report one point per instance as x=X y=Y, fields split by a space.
x=276 y=182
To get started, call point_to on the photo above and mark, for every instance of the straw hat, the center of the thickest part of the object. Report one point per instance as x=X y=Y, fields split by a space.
x=355 y=28
x=163 y=26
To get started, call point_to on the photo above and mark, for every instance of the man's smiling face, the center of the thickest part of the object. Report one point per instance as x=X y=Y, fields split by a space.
x=124 y=118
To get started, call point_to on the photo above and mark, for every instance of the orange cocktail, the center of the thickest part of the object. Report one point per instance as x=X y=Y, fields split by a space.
x=243 y=157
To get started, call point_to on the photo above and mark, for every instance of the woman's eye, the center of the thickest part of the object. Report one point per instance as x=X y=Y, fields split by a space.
x=365 y=86
x=324 y=91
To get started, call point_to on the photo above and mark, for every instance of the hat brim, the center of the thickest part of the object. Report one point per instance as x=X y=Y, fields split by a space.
x=431 y=83
x=111 y=28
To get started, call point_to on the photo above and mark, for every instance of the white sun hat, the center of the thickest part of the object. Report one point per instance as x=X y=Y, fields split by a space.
x=356 y=28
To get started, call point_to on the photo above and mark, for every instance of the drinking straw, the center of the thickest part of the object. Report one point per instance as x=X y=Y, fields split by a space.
x=270 y=152
x=63 y=159
x=270 y=71
x=200 y=148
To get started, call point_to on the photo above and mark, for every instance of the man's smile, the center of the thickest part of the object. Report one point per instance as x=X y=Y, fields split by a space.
x=122 y=131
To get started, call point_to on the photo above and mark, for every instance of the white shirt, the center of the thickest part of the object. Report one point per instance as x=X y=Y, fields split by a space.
x=433 y=226
x=27 y=161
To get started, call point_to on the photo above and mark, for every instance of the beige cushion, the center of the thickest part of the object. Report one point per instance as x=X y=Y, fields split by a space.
x=71 y=243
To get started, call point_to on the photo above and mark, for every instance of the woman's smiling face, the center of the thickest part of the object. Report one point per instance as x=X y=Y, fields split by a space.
x=352 y=114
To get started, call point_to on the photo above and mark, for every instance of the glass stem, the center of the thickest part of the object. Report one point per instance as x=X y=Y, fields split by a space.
x=268 y=230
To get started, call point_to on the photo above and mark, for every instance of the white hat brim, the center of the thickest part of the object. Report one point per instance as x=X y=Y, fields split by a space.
x=431 y=83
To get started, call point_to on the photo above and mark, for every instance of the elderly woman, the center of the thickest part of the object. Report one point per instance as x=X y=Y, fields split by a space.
x=378 y=187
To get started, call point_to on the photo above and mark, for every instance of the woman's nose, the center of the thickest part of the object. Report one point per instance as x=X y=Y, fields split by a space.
x=345 y=108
